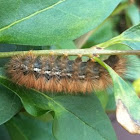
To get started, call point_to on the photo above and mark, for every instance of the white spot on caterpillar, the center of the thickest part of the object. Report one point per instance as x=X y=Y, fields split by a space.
x=81 y=77
x=24 y=66
x=37 y=70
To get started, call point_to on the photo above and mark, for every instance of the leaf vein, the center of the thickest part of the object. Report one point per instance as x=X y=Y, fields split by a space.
x=49 y=98
x=30 y=16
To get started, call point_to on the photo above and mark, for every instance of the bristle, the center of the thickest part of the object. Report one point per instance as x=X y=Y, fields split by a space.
x=59 y=74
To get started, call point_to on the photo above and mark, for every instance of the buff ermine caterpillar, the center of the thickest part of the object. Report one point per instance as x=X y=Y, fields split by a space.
x=59 y=74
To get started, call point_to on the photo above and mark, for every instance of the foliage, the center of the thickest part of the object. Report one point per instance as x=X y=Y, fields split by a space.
x=45 y=25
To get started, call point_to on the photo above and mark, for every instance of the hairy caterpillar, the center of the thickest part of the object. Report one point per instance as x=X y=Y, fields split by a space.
x=59 y=74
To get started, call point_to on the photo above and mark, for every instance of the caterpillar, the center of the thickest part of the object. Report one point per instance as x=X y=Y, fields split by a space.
x=60 y=74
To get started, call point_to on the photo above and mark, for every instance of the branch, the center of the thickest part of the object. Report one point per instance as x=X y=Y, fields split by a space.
x=73 y=52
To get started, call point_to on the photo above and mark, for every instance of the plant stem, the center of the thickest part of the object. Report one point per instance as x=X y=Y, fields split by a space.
x=73 y=52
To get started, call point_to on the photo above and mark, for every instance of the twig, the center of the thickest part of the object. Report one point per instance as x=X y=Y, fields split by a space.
x=73 y=52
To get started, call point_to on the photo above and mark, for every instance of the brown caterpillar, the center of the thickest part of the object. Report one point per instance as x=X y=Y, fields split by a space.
x=59 y=74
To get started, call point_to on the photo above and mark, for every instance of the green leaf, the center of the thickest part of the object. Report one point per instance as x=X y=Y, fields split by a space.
x=130 y=37
x=103 y=98
x=50 y=22
x=133 y=13
x=66 y=45
x=111 y=105
x=4 y=133
x=102 y=33
x=75 y=117
x=127 y=102
x=9 y=104
x=82 y=119
x=25 y=127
